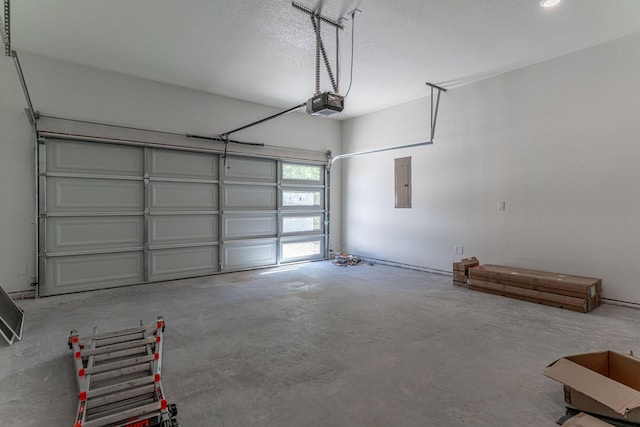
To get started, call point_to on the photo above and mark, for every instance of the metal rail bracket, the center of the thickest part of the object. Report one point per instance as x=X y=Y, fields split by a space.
x=5 y=28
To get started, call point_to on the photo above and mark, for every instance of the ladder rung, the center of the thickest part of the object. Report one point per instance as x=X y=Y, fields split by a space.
x=128 y=331
x=120 y=396
x=119 y=339
x=97 y=392
x=149 y=410
x=119 y=346
x=121 y=372
x=119 y=354
x=124 y=405
x=119 y=364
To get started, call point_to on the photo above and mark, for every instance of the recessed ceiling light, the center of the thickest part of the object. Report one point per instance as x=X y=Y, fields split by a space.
x=549 y=3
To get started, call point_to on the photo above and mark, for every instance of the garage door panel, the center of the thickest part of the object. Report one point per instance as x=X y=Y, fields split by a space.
x=84 y=272
x=93 y=195
x=93 y=233
x=246 y=169
x=243 y=226
x=175 y=229
x=186 y=165
x=249 y=197
x=183 y=196
x=257 y=253
x=93 y=158
x=174 y=263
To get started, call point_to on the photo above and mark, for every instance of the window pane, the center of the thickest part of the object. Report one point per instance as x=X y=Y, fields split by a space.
x=301 y=249
x=301 y=172
x=294 y=224
x=301 y=198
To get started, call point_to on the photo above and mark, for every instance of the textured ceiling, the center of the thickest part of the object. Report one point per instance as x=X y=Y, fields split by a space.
x=264 y=50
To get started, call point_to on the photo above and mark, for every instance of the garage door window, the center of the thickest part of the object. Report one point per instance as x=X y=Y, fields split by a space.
x=297 y=172
x=301 y=198
x=301 y=250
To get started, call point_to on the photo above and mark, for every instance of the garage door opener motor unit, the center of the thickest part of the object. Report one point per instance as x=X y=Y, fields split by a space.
x=118 y=376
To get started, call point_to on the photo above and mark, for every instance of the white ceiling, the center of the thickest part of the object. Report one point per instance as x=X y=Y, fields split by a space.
x=264 y=50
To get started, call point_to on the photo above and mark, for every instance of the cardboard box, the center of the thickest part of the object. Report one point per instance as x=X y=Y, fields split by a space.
x=604 y=383
x=587 y=288
x=461 y=284
x=583 y=286
x=585 y=420
x=560 y=290
x=460 y=277
x=555 y=300
x=461 y=269
x=464 y=264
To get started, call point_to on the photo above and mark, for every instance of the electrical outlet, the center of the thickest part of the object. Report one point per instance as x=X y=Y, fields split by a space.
x=502 y=205
x=22 y=270
x=459 y=250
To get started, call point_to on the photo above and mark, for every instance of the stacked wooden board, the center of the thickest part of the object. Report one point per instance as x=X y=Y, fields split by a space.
x=575 y=293
x=461 y=271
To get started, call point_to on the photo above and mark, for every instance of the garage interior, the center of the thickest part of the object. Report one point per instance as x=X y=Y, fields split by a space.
x=165 y=159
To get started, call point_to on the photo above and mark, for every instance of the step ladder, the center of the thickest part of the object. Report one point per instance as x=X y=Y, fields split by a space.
x=118 y=376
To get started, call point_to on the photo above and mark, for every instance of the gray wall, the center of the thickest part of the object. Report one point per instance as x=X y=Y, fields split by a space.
x=558 y=141
x=69 y=90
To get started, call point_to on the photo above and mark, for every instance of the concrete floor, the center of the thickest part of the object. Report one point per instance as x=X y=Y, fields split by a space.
x=320 y=345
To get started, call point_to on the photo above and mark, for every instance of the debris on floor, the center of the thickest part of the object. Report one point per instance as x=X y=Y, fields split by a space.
x=345 y=260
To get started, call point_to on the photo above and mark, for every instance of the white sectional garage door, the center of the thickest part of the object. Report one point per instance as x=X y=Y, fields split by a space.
x=115 y=215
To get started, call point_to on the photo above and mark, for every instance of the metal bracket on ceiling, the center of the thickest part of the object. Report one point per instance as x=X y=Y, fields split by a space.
x=337 y=24
x=434 y=118
x=434 y=113
x=5 y=29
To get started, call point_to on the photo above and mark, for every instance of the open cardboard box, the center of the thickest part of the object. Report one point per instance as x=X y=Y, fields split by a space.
x=604 y=383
